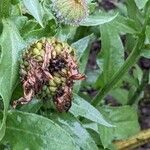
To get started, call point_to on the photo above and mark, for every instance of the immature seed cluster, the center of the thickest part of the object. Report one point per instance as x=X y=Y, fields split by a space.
x=70 y=11
x=48 y=71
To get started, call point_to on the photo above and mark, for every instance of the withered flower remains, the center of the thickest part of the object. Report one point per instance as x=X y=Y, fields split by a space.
x=48 y=71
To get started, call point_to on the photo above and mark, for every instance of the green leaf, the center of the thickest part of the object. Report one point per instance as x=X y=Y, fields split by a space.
x=80 y=107
x=98 y=19
x=121 y=8
x=38 y=133
x=82 y=52
x=146 y=53
x=33 y=106
x=137 y=73
x=89 y=1
x=121 y=95
x=133 y=12
x=124 y=118
x=141 y=3
x=112 y=52
x=28 y=27
x=20 y=21
x=76 y=131
x=36 y=33
x=34 y=7
x=81 y=45
x=1 y=29
x=91 y=76
x=48 y=15
x=66 y=32
x=14 y=2
x=148 y=33
x=93 y=126
x=4 y=8
x=146 y=50
x=130 y=80
x=125 y=25
x=11 y=45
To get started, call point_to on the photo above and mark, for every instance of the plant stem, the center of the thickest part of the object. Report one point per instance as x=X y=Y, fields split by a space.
x=129 y=62
x=142 y=138
x=144 y=81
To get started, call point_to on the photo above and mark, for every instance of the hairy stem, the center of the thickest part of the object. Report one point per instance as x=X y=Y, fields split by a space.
x=137 y=93
x=138 y=140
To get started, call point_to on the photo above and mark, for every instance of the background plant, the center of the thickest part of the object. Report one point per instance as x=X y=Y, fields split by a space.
x=90 y=123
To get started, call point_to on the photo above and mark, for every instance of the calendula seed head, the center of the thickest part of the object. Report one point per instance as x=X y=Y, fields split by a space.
x=70 y=12
x=48 y=69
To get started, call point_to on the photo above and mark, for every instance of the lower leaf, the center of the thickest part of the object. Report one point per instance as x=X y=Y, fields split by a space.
x=35 y=132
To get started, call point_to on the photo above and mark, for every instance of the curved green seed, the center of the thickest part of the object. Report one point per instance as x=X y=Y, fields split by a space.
x=57 y=74
x=44 y=87
x=54 y=54
x=36 y=51
x=39 y=45
x=42 y=52
x=26 y=63
x=52 y=83
x=64 y=71
x=40 y=58
x=63 y=79
x=57 y=80
x=52 y=89
x=58 y=49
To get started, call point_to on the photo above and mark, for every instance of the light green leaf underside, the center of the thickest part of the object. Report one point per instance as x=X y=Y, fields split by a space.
x=80 y=107
x=33 y=6
x=37 y=133
x=11 y=47
x=98 y=19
